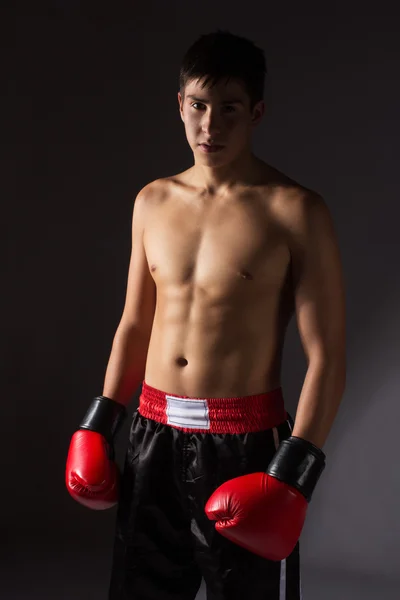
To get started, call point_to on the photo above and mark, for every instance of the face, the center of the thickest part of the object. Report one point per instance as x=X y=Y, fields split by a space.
x=221 y=114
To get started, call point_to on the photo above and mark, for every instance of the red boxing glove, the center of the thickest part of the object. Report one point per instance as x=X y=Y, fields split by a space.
x=265 y=512
x=91 y=475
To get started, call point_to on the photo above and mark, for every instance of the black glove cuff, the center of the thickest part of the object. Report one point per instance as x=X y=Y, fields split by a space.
x=104 y=416
x=298 y=463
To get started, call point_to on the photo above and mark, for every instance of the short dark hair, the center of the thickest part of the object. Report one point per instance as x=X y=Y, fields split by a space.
x=223 y=55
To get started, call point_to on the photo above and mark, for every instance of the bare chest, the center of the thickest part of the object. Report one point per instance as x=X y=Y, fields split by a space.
x=220 y=248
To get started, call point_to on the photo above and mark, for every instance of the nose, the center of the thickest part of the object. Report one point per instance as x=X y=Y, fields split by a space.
x=210 y=125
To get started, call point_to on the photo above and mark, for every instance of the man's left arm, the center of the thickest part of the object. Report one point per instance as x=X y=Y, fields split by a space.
x=265 y=512
x=320 y=313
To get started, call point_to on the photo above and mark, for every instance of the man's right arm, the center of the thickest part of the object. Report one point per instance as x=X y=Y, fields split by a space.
x=91 y=474
x=126 y=366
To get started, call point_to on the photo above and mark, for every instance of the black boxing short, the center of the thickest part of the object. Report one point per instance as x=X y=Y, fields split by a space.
x=180 y=450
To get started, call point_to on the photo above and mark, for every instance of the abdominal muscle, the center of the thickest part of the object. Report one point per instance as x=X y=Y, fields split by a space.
x=214 y=352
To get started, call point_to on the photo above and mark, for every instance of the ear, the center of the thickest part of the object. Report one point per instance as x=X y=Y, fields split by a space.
x=258 y=113
x=180 y=101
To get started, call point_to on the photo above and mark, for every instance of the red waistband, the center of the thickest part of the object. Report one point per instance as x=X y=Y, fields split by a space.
x=213 y=415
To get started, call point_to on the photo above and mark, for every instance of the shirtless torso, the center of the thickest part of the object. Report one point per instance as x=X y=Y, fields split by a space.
x=222 y=270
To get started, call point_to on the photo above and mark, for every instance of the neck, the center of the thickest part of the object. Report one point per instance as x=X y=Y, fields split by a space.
x=221 y=179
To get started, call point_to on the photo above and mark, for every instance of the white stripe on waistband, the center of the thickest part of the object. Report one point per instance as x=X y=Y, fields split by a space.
x=187 y=412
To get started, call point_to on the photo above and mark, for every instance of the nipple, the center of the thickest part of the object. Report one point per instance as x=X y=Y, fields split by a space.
x=153 y=268
x=182 y=362
x=245 y=275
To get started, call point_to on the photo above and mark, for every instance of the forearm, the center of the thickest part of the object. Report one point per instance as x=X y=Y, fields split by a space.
x=126 y=365
x=319 y=401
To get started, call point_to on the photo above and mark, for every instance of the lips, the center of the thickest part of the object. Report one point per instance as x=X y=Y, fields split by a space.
x=208 y=148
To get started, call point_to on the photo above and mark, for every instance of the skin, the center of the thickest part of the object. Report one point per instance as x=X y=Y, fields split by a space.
x=223 y=255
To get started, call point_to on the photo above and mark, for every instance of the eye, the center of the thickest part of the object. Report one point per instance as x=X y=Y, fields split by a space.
x=229 y=108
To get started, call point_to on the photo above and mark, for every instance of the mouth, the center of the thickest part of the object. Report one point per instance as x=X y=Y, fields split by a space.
x=210 y=145
x=208 y=148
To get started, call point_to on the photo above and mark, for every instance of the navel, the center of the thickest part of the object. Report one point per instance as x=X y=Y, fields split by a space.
x=181 y=362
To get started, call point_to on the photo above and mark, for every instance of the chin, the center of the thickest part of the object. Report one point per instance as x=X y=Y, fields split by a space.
x=220 y=156
x=213 y=159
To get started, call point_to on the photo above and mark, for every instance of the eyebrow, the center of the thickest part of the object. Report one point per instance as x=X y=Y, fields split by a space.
x=204 y=101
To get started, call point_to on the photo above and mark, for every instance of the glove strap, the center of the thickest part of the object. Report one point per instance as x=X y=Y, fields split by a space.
x=298 y=463
x=104 y=416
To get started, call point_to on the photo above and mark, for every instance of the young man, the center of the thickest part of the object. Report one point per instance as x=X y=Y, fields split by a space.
x=217 y=477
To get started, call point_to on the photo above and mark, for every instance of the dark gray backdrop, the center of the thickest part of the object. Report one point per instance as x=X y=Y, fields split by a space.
x=90 y=115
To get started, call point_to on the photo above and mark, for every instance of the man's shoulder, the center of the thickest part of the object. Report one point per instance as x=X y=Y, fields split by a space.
x=151 y=189
x=158 y=189
x=286 y=189
x=290 y=200
x=150 y=195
